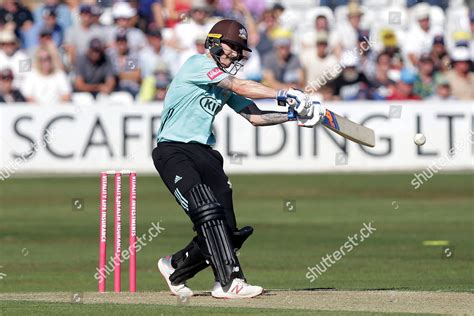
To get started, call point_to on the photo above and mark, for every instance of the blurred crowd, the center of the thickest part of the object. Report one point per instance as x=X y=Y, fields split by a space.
x=57 y=51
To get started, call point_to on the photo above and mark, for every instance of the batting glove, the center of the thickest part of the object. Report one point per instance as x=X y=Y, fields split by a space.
x=296 y=100
x=300 y=102
x=316 y=117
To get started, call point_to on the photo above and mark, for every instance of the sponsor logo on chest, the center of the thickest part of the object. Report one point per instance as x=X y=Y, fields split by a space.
x=210 y=105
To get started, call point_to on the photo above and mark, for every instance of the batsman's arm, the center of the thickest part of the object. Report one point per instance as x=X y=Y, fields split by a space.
x=254 y=90
x=248 y=88
x=258 y=117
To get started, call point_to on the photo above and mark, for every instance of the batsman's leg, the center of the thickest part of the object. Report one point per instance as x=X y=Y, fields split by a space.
x=176 y=163
x=214 y=238
x=215 y=241
x=190 y=260
x=180 y=175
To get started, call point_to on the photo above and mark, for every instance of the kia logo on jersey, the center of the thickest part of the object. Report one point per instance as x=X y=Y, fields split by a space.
x=214 y=73
x=210 y=105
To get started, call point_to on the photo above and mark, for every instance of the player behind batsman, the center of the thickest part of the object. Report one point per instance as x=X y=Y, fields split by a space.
x=193 y=171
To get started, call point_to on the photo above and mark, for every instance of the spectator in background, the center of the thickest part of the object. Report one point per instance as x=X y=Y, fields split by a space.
x=443 y=89
x=308 y=38
x=439 y=56
x=333 y=3
x=318 y=63
x=404 y=87
x=46 y=84
x=389 y=40
x=155 y=85
x=460 y=79
x=199 y=48
x=346 y=33
x=325 y=92
x=151 y=14
x=321 y=23
x=106 y=3
x=278 y=10
x=8 y=94
x=176 y=11
x=381 y=83
x=97 y=12
x=157 y=52
x=15 y=17
x=125 y=63
x=123 y=15
x=78 y=37
x=420 y=36
x=266 y=26
x=281 y=68
x=367 y=57
x=461 y=39
x=64 y=16
x=74 y=9
x=391 y=47
x=11 y=56
x=239 y=11
x=94 y=71
x=424 y=85
x=186 y=32
x=351 y=84
x=46 y=42
x=397 y=60
x=255 y=8
x=47 y=25
x=440 y=3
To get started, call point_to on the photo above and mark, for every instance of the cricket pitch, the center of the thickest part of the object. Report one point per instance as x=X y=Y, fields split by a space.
x=450 y=303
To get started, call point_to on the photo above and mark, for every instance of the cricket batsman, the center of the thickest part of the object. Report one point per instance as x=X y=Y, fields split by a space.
x=193 y=171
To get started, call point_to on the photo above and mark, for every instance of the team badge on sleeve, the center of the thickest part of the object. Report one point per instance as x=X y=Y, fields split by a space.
x=243 y=34
x=214 y=73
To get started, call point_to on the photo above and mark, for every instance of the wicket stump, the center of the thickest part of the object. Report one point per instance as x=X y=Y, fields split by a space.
x=117 y=229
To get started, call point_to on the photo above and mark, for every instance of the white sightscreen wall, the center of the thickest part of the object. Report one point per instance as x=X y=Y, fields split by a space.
x=88 y=139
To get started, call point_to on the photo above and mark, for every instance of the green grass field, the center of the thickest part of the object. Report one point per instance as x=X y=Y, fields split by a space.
x=47 y=244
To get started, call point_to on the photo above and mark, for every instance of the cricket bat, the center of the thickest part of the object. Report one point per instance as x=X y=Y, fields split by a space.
x=348 y=129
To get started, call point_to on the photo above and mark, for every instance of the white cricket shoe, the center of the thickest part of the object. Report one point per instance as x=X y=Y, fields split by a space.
x=166 y=269
x=238 y=289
